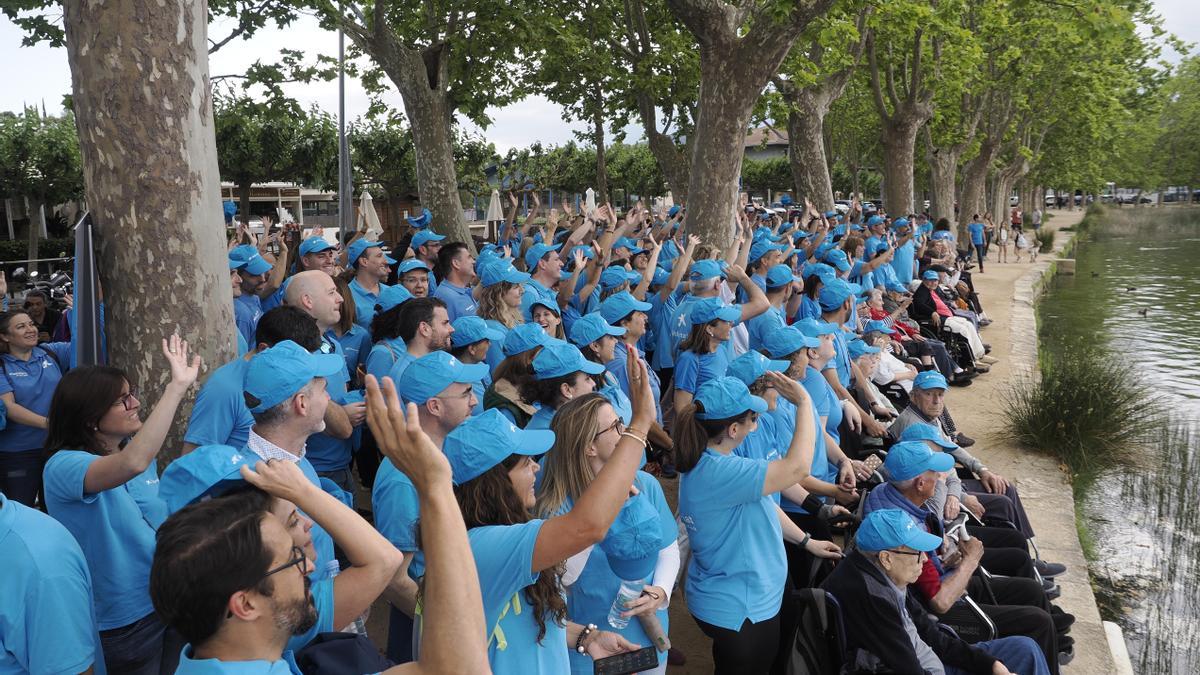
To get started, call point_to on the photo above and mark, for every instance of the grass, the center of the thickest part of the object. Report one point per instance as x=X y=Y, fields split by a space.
x=1046 y=238
x=1088 y=410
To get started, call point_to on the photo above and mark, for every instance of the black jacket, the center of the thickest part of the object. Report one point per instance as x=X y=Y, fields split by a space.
x=874 y=624
x=923 y=306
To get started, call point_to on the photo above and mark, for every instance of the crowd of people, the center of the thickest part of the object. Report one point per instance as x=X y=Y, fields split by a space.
x=482 y=441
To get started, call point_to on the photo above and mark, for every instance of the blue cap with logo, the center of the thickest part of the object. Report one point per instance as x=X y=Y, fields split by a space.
x=874 y=220
x=930 y=275
x=930 y=379
x=705 y=269
x=410 y=265
x=429 y=376
x=471 y=329
x=711 y=309
x=781 y=275
x=634 y=539
x=877 y=326
x=835 y=292
x=424 y=237
x=763 y=247
x=587 y=251
x=787 y=341
x=726 y=397
x=751 y=365
x=819 y=269
x=422 y=221
x=393 y=296
x=245 y=258
x=899 y=223
x=591 y=327
x=275 y=375
x=885 y=529
x=483 y=441
x=524 y=337
x=536 y=253
x=559 y=358
x=837 y=258
x=927 y=432
x=859 y=348
x=360 y=246
x=661 y=275
x=813 y=328
x=620 y=305
x=616 y=275
x=909 y=459
x=631 y=244
x=501 y=270
x=205 y=472
x=314 y=244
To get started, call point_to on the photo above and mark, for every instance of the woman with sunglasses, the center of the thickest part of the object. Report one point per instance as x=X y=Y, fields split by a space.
x=738 y=572
x=101 y=482
x=586 y=434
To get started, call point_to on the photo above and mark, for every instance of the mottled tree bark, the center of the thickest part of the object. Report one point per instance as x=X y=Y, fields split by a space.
x=974 y=182
x=899 y=139
x=674 y=161
x=902 y=111
x=806 y=151
x=139 y=75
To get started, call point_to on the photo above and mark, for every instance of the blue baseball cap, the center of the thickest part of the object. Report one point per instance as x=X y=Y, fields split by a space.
x=859 y=348
x=558 y=359
x=483 y=441
x=876 y=326
x=360 y=247
x=927 y=432
x=819 y=269
x=763 y=247
x=899 y=223
x=781 y=275
x=424 y=237
x=591 y=327
x=587 y=251
x=786 y=341
x=275 y=375
x=314 y=245
x=429 y=376
x=885 y=529
x=835 y=292
x=661 y=275
x=393 y=296
x=205 y=472
x=705 y=269
x=815 y=329
x=631 y=244
x=726 y=397
x=536 y=253
x=909 y=459
x=751 y=365
x=634 y=539
x=711 y=309
x=422 y=221
x=930 y=379
x=248 y=260
x=672 y=211
x=942 y=235
x=410 y=265
x=837 y=258
x=930 y=275
x=501 y=270
x=471 y=329
x=616 y=275
x=524 y=337
x=620 y=305
x=874 y=220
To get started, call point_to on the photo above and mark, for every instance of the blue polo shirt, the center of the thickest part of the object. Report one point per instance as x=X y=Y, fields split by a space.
x=495 y=352
x=356 y=346
x=763 y=443
x=383 y=356
x=825 y=401
x=976 y=232
x=738 y=569
x=247 y=310
x=820 y=467
x=536 y=293
x=396 y=507
x=459 y=301
x=32 y=385
x=220 y=415
x=841 y=357
x=617 y=368
x=764 y=323
x=692 y=370
x=47 y=618
x=364 y=303
x=116 y=530
x=189 y=666
x=809 y=309
x=662 y=317
x=403 y=361
x=325 y=452
x=902 y=261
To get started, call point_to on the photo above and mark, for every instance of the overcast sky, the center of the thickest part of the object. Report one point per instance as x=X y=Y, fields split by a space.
x=37 y=75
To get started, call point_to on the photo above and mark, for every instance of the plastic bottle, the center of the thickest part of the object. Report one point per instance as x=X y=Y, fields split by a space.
x=630 y=591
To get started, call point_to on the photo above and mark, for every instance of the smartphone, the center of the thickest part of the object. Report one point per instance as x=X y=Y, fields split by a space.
x=638 y=661
x=873 y=463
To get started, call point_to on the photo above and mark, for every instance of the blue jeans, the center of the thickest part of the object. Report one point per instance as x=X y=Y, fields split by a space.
x=1021 y=655
x=144 y=647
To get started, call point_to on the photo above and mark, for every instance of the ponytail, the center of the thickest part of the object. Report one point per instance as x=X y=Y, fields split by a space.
x=692 y=434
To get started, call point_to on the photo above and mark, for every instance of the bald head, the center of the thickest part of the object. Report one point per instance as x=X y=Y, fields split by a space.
x=314 y=292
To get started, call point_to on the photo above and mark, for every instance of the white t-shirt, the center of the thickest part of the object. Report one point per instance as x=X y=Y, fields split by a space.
x=889 y=368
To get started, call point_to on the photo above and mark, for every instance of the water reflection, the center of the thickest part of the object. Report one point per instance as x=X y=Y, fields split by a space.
x=1134 y=293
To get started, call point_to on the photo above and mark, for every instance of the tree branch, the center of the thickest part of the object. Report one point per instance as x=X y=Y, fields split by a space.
x=873 y=71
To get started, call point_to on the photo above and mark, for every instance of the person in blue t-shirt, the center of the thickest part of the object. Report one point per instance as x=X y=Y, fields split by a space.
x=424 y=326
x=501 y=289
x=30 y=374
x=371 y=268
x=353 y=337
x=738 y=572
x=254 y=271
x=519 y=557
x=470 y=343
x=456 y=272
x=102 y=485
x=425 y=245
x=385 y=331
x=560 y=373
x=978 y=240
x=46 y=604
x=414 y=275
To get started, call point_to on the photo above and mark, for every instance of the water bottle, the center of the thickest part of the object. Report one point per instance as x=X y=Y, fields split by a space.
x=630 y=591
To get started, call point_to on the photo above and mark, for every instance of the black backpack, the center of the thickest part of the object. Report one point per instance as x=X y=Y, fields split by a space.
x=819 y=647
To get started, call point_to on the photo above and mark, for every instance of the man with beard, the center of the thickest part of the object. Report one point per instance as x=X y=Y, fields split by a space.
x=371 y=267
x=425 y=327
x=247 y=305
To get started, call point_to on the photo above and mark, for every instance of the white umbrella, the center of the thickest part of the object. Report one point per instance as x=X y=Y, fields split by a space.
x=374 y=228
x=495 y=211
x=283 y=216
x=589 y=204
x=668 y=201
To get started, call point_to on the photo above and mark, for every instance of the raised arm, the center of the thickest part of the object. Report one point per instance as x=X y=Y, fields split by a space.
x=795 y=465
x=679 y=268
x=758 y=302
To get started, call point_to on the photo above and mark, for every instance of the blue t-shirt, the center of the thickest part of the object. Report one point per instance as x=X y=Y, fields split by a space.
x=47 y=620
x=396 y=506
x=32 y=385
x=504 y=560
x=383 y=356
x=617 y=369
x=678 y=325
x=809 y=309
x=763 y=444
x=115 y=529
x=364 y=303
x=536 y=293
x=276 y=298
x=820 y=467
x=660 y=317
x=764 y=323
x=902 y=261
x=403 y=361
x=825 y=401
x=459 y=301
x=693 y=370
x=976 y=232
x=738 y=567
x=541 y=419
x=247 y=310
x=356 y=345
x=286 y=665
x=841 y=356
x=592 y=594
x=220 y=415
x=495 y=352
x=324 y=451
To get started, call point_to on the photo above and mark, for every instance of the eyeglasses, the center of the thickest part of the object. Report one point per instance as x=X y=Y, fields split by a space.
x=125 y=399
x=617 y=426
x=298 y=559
x=916 y=553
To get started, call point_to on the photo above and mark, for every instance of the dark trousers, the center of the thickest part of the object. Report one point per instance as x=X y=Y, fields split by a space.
x=400 y=636
x=805 y=569
x=144 y=647
x=980 y=252
x=754 y=649
x=1006 y=506
x=21 y=475
x=1022 y=609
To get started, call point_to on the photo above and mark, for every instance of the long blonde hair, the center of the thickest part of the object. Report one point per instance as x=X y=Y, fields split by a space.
x=492 y=305
x=566 y=472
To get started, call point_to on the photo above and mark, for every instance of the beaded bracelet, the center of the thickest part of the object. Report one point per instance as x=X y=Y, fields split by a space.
x=587 y=630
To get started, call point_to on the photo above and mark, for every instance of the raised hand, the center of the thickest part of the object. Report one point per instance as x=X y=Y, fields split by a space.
x=401 y=438
x=692 y=242
x=278 y=478
x=183 y=374
x=607 y=643
x=579 y=259
x=788 y=388
x=641 y=397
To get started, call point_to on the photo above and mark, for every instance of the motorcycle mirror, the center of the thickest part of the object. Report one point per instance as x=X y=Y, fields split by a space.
x=19 y=274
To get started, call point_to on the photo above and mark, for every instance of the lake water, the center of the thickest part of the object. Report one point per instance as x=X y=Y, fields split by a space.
x=1134 y=294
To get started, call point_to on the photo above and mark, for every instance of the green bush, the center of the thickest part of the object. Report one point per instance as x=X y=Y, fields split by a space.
x=1046 y=239
x=18 y=249
x=1088 y=410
